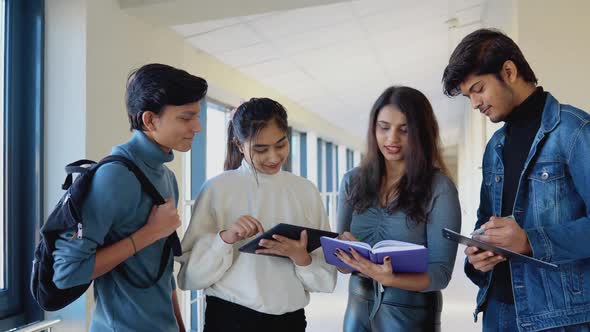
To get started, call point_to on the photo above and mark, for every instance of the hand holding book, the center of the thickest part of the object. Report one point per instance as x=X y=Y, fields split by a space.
x=346 y=236
x=405 y=257
x=364 y=266
x=392 y=263
x=280 y=245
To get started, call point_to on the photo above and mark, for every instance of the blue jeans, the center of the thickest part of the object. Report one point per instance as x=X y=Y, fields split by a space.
x=501 y=317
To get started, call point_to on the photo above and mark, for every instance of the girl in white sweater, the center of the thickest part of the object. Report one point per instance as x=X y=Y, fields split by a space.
x=247 y=292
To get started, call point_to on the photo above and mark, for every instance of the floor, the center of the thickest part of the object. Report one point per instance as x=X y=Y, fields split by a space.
x=326 y=311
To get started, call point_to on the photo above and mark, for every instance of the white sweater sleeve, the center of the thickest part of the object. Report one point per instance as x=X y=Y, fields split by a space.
x=319 y=276
x=205 y=256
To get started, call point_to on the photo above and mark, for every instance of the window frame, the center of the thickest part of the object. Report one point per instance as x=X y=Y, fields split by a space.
x=321 y=164
x=218 y=107
x=303 y=152
x=198 y=176
x=23 y=155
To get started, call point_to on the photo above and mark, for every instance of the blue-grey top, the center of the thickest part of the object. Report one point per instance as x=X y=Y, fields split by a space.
x=376 y=224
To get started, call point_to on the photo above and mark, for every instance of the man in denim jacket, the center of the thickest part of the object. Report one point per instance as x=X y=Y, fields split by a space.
x=535 y=195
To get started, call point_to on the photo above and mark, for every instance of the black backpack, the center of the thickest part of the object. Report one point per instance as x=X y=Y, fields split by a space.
x=67 y=216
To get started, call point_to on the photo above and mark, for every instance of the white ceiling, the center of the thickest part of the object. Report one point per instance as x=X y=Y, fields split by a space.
x=336 y=59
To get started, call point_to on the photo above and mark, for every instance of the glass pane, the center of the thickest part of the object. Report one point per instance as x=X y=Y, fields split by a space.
x=217 y=121
x=295 y=153
x=2 y=221
x=323 y=168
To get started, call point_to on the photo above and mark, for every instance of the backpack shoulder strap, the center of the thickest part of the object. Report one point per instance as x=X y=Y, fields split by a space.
x=76 y=167
x=146 y=185
x=172 y=242
x=149 y=188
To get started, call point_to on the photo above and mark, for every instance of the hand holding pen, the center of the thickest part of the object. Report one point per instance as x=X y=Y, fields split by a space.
x=482 y=229
x=504 y=232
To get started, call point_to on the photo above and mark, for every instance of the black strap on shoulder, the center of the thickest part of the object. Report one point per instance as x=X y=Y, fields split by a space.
x=172 y=242
x=146 y=185
x=75 y=167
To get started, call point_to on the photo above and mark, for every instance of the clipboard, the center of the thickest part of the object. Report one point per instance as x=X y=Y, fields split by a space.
x=290 y=231
x=514 y=256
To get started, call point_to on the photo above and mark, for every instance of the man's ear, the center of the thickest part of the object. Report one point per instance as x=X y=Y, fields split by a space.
x=147 y=119
x=509 y=71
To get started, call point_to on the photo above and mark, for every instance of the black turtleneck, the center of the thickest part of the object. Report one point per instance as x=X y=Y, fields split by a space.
x=522 y=125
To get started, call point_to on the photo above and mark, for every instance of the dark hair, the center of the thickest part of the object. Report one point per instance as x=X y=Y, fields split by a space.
x=247 y=122
x=483 y=51
x=155 y=86
x=423 y=156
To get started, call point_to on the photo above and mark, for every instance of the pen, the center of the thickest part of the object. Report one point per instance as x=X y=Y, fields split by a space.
x=480 y=231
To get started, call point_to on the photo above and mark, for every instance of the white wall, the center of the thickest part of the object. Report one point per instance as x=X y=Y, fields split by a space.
x=553 y=36
x=502 y=15
x=460 y=294
x=65 y=114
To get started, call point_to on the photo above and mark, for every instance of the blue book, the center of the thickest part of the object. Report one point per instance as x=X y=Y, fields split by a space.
x=405 y=256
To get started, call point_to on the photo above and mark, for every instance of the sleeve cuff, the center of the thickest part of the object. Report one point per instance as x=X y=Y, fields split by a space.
x=219 y=244
x=539 y=243
x=477 y=277
x=308 y=269
x=71 y=275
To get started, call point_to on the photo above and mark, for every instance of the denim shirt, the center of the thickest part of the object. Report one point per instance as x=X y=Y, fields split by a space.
x=551 y=205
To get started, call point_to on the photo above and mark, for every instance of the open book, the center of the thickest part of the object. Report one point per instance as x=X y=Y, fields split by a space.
x=405 y=257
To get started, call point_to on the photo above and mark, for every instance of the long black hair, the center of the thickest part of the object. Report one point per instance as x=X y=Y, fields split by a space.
x=247 y=122
x=423 y=156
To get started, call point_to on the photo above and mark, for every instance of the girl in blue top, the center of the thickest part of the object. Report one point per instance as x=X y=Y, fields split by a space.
x=401 y=191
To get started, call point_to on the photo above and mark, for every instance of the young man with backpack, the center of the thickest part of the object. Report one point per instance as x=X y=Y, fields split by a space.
x=124 y=234
x=535 y=193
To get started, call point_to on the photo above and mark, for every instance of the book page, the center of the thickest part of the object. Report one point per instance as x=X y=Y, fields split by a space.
x=393 y=245
x=353 y=243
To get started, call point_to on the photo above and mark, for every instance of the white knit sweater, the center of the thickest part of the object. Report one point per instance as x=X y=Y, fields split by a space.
x=266 y=284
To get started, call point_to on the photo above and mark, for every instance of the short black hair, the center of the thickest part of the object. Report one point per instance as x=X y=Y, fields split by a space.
x=155 y=86
x=483 y=51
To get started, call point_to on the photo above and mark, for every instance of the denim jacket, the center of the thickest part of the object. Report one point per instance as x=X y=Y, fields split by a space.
x=552 y=205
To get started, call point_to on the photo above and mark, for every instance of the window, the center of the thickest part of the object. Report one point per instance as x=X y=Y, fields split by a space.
x=336 y=169
x=298 y=153
x=206 y=161
x=321 y=165
x=349 y=159
x=218 y=117
x=303 y=154
x=329 y=167
x=327 y=159
x=2 y=221
x=21 y=127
